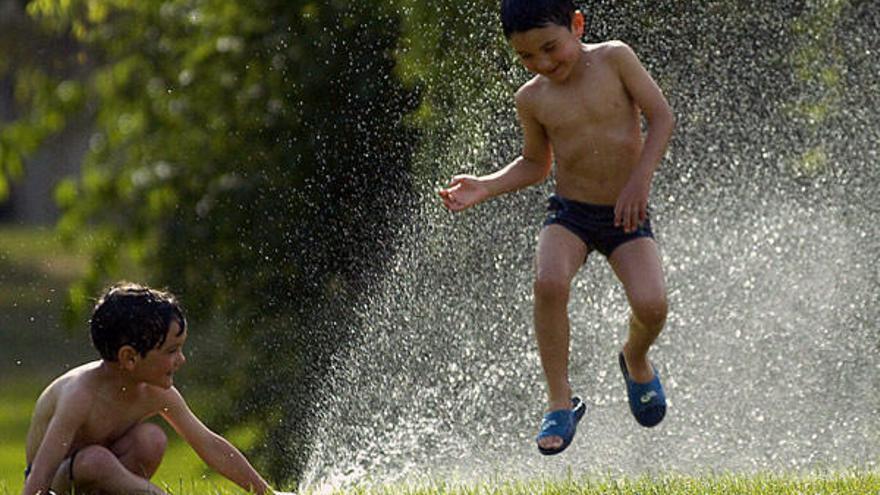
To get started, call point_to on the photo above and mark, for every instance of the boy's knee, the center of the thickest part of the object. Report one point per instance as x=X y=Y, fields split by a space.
x=651 y=312
x=93 y=463
x=551 y=289
x=151 y=440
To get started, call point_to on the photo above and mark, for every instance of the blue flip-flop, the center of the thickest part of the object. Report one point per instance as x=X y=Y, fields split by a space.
x=561 y=423
x=646 y=400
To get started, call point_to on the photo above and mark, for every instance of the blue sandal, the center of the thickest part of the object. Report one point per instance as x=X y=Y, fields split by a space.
x=646 y=400
x=561 y=423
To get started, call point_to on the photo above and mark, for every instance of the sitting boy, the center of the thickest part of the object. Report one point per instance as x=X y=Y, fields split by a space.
x=583 y=108
x=88 y=432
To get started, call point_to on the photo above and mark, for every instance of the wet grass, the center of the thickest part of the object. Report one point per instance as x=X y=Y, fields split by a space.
x=833 y=483
x=817 y=484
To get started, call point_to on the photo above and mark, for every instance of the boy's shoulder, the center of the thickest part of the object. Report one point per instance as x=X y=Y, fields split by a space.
x=71 y=392
x=76 y=381
x=602 y=53
x=608 y=45
x=608 y=53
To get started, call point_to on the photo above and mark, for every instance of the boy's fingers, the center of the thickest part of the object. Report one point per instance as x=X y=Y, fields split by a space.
x=449 y=202
x=456 y=180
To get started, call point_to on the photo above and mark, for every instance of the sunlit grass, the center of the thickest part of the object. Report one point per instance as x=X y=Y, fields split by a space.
x=762 y=484
x=834 y=484
x=830 y=484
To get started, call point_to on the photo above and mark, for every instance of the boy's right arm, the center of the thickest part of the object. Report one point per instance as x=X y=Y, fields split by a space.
x=531 y=167
x=69 y=415
x=215 y=450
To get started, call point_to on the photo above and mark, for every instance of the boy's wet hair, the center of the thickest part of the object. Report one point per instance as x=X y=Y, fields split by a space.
x=518 y=16
x=131 y=314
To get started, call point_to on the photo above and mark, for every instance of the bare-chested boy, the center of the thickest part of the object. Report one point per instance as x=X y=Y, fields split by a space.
x=583 y=108
x=88 y=433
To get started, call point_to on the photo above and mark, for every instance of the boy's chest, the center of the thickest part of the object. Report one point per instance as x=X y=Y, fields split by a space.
x=109 y=422
x=597 y=100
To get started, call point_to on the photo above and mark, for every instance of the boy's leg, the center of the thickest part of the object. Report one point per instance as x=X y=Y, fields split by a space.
x=559 y=256
x=141 y=449
x=124 y=468
x=637 y=266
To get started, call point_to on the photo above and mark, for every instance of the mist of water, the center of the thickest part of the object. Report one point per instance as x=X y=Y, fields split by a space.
x=770 y=354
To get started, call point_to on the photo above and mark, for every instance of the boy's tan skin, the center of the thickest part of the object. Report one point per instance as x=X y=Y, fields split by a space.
x=97 y=412
x=583 y=108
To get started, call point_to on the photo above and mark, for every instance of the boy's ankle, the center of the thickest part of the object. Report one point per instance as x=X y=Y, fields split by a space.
x=563 y=401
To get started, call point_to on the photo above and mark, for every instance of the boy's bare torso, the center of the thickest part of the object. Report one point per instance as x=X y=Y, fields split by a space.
x=110 y=410
x=593 y=125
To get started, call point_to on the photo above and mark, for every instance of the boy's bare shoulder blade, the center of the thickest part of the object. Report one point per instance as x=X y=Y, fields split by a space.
x=74 y=396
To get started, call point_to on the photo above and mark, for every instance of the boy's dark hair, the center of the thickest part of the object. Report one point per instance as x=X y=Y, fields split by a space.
x=131 y=314
x=518 y=16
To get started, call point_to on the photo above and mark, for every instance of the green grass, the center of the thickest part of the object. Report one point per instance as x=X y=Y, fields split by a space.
x=35 y=271
x=836 y=484
x=816 y=484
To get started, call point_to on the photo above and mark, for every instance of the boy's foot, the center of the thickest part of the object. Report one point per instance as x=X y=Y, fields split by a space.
x=646 y=400
x=561 y=423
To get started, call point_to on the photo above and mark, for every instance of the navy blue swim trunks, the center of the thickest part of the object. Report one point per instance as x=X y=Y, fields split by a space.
x=27 y=471
x=593 y=224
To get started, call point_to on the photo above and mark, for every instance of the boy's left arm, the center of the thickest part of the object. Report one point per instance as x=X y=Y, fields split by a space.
x=215 y=450
x=632 y=204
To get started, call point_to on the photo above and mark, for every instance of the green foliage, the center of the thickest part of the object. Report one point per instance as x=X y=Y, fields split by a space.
x=34 y=84
x=455 y=53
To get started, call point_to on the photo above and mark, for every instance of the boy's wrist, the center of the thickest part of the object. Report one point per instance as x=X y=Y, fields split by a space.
x=643 y=173
x=490 y=186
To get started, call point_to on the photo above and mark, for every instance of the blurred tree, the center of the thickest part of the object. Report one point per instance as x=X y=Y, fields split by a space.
x=251 y=156
x=29 y=57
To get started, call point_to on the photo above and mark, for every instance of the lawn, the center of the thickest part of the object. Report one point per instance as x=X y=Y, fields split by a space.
x=832 y=484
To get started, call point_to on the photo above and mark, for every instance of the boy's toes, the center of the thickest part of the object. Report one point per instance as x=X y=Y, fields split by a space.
x=550 y=443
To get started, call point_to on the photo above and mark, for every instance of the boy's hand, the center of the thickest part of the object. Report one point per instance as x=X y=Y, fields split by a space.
x=631 y=209
x=463 y=192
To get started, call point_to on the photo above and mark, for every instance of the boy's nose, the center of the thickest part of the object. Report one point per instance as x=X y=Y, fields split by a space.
x=545 y=64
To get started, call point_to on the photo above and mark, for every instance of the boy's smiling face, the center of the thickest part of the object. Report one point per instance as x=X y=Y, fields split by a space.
x=159 y=365
x=551 y=50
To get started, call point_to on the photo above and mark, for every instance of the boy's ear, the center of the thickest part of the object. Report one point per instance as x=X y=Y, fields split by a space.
x=577 y=24
x=127 y=356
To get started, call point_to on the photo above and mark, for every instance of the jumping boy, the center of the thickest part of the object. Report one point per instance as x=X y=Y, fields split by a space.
x=583 y=108
x=88 y=434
